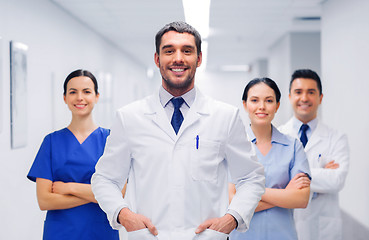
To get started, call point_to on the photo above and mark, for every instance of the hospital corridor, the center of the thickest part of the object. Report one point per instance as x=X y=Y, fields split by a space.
x=71 y=71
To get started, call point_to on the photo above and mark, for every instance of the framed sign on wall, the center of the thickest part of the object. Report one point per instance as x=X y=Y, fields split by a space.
x=18 y=94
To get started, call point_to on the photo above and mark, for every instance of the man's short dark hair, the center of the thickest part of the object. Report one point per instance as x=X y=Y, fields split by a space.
x=307 y=73
x=180 y=27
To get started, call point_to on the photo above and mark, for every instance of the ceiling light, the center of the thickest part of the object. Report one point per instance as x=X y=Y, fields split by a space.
x=235 y=68
x=197 y=14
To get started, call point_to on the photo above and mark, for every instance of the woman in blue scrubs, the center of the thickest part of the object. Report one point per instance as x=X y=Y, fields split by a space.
x=285 y=164
x=64 y=165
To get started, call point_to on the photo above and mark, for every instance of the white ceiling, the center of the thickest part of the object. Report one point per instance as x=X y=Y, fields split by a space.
x=241 y=31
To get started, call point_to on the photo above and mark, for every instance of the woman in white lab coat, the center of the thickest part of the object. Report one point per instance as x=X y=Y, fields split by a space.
x=285 y=164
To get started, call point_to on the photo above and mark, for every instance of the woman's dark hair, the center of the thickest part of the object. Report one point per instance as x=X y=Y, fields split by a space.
x=268 y=82
x=79 y=73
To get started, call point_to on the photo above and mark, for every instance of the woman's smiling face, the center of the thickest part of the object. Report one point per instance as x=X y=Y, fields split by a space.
x=261 y=104
x=80 y=96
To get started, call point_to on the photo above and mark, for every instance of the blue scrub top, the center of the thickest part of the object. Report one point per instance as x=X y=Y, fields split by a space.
x=285 y=159
x=62 y=158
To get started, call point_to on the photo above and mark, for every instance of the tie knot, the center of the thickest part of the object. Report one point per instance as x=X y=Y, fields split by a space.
x=177 y=102
x=304 y=127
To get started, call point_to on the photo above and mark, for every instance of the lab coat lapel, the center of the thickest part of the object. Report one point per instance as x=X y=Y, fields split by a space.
x=316 y=137
x=198 y=109
x=157 y=114
x=288 y=128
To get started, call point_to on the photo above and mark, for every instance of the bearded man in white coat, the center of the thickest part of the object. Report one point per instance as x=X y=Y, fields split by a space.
x=177 y=149
x=328 y=155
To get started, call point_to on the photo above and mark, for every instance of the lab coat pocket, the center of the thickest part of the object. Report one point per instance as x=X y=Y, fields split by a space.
x=142 y=234
x=205 y=161
x=210 y=234
x=323 y=159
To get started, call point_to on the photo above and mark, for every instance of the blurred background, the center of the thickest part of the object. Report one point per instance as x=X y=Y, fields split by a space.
x=114 y=39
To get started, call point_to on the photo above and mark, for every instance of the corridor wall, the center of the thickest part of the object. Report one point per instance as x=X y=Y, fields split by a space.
x=57 y=44
x=345 y=38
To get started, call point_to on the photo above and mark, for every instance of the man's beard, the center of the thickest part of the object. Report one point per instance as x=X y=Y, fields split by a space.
x=182 y=85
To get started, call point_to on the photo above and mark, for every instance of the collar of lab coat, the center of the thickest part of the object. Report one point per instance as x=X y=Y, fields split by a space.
x=317 y=136
x=156 y=112
x=320 y=132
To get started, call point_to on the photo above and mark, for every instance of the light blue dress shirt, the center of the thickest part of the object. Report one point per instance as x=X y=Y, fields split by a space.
x=285 y=159
x=165 y=97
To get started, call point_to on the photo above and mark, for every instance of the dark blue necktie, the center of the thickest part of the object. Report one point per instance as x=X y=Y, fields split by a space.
x=177 y=117
x=303 y=138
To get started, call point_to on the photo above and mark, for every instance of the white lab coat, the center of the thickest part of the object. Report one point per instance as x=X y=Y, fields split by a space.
x=321 y=220
x=172 y=180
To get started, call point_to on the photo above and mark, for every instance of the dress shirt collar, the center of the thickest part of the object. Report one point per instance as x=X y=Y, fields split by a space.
x=165 y=97
x=277 y=137
x=297 y=124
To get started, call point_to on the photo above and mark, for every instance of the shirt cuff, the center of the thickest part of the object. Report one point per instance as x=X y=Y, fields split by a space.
x=237 y=217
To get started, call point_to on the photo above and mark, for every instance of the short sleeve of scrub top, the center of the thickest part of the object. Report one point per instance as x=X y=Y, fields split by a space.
x=302 y=164
x=41 y=166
